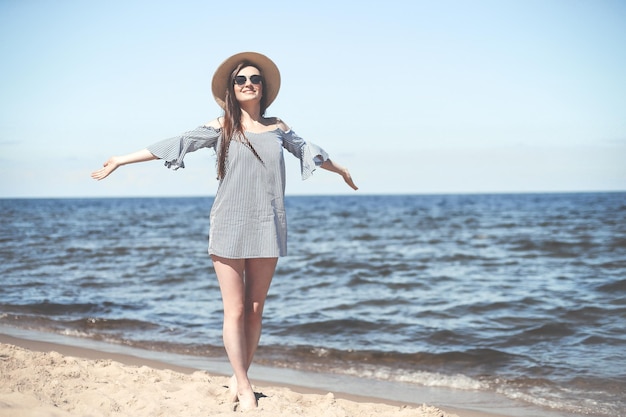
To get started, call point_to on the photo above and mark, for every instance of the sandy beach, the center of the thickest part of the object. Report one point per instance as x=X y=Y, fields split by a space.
x=41 y=379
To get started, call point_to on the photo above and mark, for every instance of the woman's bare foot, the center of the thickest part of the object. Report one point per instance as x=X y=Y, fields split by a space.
x=232 y=389
x=247 y=399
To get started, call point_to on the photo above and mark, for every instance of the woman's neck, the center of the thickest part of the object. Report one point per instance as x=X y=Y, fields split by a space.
x=251 y=115
x=252 y=120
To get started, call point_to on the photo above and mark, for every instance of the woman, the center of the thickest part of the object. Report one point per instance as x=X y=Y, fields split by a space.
x=248 y=224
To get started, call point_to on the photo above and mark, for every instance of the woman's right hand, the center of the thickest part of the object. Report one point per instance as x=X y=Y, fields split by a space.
x=107 y=168
x=115 y=162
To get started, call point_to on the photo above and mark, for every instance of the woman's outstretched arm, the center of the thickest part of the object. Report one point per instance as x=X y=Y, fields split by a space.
x=117 y=161
x=335 y=167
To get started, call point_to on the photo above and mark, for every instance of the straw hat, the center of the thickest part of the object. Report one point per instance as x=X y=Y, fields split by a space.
x=269 y=70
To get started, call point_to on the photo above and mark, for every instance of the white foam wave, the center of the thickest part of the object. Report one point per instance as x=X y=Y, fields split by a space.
x=423 y=378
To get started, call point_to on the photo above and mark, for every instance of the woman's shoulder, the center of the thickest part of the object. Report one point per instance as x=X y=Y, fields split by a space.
x=215 y=123
x=280 y=124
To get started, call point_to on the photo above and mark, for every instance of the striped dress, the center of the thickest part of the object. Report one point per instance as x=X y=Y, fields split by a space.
x=248 y=217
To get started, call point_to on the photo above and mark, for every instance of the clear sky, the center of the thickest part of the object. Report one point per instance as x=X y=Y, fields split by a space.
x=413 y=96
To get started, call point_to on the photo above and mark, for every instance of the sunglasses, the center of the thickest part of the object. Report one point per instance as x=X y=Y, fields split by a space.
x=254 y=79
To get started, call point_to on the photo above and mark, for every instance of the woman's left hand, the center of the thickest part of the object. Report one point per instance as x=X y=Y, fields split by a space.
x=330 y=165
x=348 y=178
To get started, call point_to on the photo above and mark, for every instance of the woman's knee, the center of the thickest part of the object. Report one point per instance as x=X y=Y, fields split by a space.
x=254 y=312
x=235 y=313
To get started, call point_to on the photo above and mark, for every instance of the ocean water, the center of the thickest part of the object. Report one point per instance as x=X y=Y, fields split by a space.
x=520 y=295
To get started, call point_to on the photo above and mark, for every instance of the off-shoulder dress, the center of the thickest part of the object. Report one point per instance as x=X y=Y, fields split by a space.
x=248 y=218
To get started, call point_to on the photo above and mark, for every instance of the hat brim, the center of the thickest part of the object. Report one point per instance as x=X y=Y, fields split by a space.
x=269 y=70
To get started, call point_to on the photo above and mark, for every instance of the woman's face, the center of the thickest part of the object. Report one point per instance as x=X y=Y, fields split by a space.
x=248 y=86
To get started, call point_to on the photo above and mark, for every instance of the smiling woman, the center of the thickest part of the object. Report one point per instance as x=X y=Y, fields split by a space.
x=248 y=229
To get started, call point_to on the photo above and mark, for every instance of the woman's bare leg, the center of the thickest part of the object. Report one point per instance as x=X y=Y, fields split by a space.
x=258 y=277
x=244 y=285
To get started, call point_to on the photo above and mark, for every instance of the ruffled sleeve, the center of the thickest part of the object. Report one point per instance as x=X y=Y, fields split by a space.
x=173 y=150
x=311 y=156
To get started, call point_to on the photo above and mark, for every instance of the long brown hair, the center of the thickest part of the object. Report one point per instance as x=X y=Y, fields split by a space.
x=232 y=127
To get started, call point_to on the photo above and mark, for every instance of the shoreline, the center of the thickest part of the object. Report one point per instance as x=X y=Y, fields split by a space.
x=274 y=384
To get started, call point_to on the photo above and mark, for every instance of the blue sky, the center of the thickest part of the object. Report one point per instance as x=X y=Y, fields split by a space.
x=412 y=96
